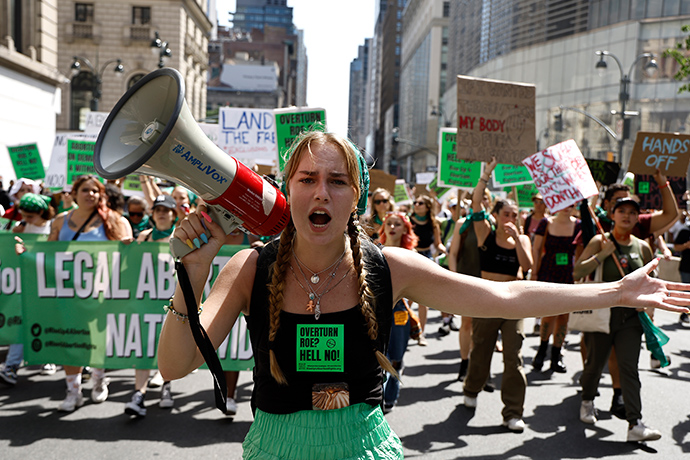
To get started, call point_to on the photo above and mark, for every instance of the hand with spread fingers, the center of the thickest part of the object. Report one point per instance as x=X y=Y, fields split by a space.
x=638 y=289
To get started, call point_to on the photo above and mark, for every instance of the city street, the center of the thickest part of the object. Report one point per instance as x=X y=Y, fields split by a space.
x=430 y=418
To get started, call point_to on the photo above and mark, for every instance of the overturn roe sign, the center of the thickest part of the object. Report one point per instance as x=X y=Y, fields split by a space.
x=561 y=174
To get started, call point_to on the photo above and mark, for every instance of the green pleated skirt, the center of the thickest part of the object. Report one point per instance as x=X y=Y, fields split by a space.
x=354 y=432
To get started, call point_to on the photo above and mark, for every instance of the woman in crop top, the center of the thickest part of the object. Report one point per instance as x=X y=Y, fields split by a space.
x=319 y=304
x=502 y=253
x=97 y=223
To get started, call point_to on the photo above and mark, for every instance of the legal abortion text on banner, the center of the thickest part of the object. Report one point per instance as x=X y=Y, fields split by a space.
x=27 y=161
x=292 y=121
x=453 y=171
x=561 y=174
x=101 y=304
x=668 y=152
x=248 y=134
x=495 y=119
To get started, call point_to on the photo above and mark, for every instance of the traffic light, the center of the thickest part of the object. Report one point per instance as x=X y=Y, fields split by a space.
x=558 y=122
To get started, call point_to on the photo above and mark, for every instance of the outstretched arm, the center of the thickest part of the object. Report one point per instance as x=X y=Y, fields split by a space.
x=418 y=279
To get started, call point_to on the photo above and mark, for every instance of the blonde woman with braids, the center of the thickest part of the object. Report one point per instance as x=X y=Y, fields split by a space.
x=319 y=301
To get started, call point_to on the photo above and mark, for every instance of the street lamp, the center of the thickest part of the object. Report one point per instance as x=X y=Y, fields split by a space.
x=650 y=69
x=96 y=77
x=159 y=48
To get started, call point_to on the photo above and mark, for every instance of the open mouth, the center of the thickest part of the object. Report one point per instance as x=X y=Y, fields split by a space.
x=319 y=219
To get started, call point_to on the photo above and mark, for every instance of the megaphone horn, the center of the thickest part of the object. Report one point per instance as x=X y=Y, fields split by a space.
x=151 y=131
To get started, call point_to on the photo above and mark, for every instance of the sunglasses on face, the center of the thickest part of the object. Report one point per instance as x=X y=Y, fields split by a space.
x=419 y=203
x=380 y=201
x=136 y=214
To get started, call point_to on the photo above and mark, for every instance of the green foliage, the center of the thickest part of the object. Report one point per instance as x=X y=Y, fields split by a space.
x=679 y=53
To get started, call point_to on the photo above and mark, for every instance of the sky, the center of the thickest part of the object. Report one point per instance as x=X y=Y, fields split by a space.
x=333 y=31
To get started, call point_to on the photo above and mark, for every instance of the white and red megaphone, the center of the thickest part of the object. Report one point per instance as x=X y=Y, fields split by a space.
x=151 y=131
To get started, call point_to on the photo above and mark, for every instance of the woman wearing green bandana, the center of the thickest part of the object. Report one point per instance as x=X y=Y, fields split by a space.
x=137 y=215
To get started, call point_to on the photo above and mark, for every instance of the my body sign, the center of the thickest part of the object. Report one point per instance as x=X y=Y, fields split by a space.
x=99 y=304
x=561 y=174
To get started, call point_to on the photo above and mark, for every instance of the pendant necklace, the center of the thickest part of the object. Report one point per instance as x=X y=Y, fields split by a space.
x=315 y=279
x=312 y=294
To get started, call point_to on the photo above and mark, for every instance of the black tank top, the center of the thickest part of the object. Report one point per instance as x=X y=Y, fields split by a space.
x=495 y=259
x=425 y=233
x=357 y=367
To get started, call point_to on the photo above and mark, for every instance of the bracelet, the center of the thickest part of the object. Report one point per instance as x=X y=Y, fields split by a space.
x=481 y=179
x=661 y=187
x=178 y=315
x=596 y=259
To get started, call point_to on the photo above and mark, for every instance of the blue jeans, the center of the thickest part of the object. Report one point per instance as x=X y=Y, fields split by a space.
x=15 y=355
x=397 y=345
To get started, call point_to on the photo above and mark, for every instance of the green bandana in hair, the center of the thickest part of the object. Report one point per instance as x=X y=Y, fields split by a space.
x=34 y=203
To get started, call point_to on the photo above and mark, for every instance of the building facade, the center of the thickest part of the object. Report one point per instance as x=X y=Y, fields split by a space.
x=98 y=33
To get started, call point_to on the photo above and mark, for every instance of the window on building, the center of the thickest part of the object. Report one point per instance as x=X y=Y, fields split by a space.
x=446 y=9
x=83 y=12
x=80 y=102
x=141 y=15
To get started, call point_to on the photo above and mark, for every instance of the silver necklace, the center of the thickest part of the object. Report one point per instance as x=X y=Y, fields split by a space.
x=315 y=279
x=313 y=295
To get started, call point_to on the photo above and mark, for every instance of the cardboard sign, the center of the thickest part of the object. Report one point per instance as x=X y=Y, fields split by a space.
x=290 y=123
x=247 y=134
x=381 y=179
x=27 y=161
x=604 y=172
x=454 y=171
x=495 y=118
x=649 y=195
x=56 y=176
x=561 y=174
x=668 y=152
x=511 y=175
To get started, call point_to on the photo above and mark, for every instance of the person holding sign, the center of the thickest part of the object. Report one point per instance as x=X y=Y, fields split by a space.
x=91 y=221
x=319 y=303
x=618 y=252
x=503 y=252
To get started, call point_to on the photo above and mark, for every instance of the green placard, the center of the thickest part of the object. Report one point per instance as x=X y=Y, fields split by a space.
x=643 y=187
x=290 y=123
x=27 y=161
x=131 y=183
x=453 y=171
x=80 y=159
x=401 y=194
x=525 y=193
x=437 y=189
x=511 y=175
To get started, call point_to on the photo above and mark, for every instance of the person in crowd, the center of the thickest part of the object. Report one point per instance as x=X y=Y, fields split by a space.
x=503 y=252
x=17 y=191
x=65 y=200
x=288 y=305
x=381 y=203
x=138 y=215
x=447 y=227
x=183 y=200
x=163 y=220
x=149 y=188
x=624 y=325
x=397 y=232
x=464 y=258
x=92 y=220
x=531 y=222
x=115 y=198
x=553 y=253
x=428 y=230
x=682 y=245
x=5 y=201
x=36 y=214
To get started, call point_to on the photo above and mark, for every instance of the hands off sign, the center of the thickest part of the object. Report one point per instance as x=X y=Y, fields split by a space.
x=561 y=174
x=668 y=152
x=495 y=119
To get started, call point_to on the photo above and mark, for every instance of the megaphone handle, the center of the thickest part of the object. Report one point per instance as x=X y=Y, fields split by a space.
x=228 y=222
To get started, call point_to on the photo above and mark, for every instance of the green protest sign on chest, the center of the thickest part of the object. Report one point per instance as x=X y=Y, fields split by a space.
x=290 y=123
x=27 y=161
x=320 y=348
x=454 y=171
x=80 y=159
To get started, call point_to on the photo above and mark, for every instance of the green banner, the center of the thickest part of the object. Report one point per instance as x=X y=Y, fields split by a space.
x=80 y=159
x=27 y=161
x=290 y=123
x=437 y=189
x=101 y=304
x=511 y=175
x=453 y=171
x=525 y=193
x=400 y=194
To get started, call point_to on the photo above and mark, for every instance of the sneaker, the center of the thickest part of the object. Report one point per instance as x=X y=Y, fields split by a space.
x=231 y=407
x=641 y=432
x=618 y=406
x=48 y=369
x=444 y=330
x=588 y=413
x=8 y=375
x=489 y=387
x=136 y=405
x=166 y=401
x=470 y=402
x=386 y=407
x=99 y=393
x=453 y=325
x=515 y=424
x=422 y=341
x=157 y=380
x=73 y=400
x=684 y=319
